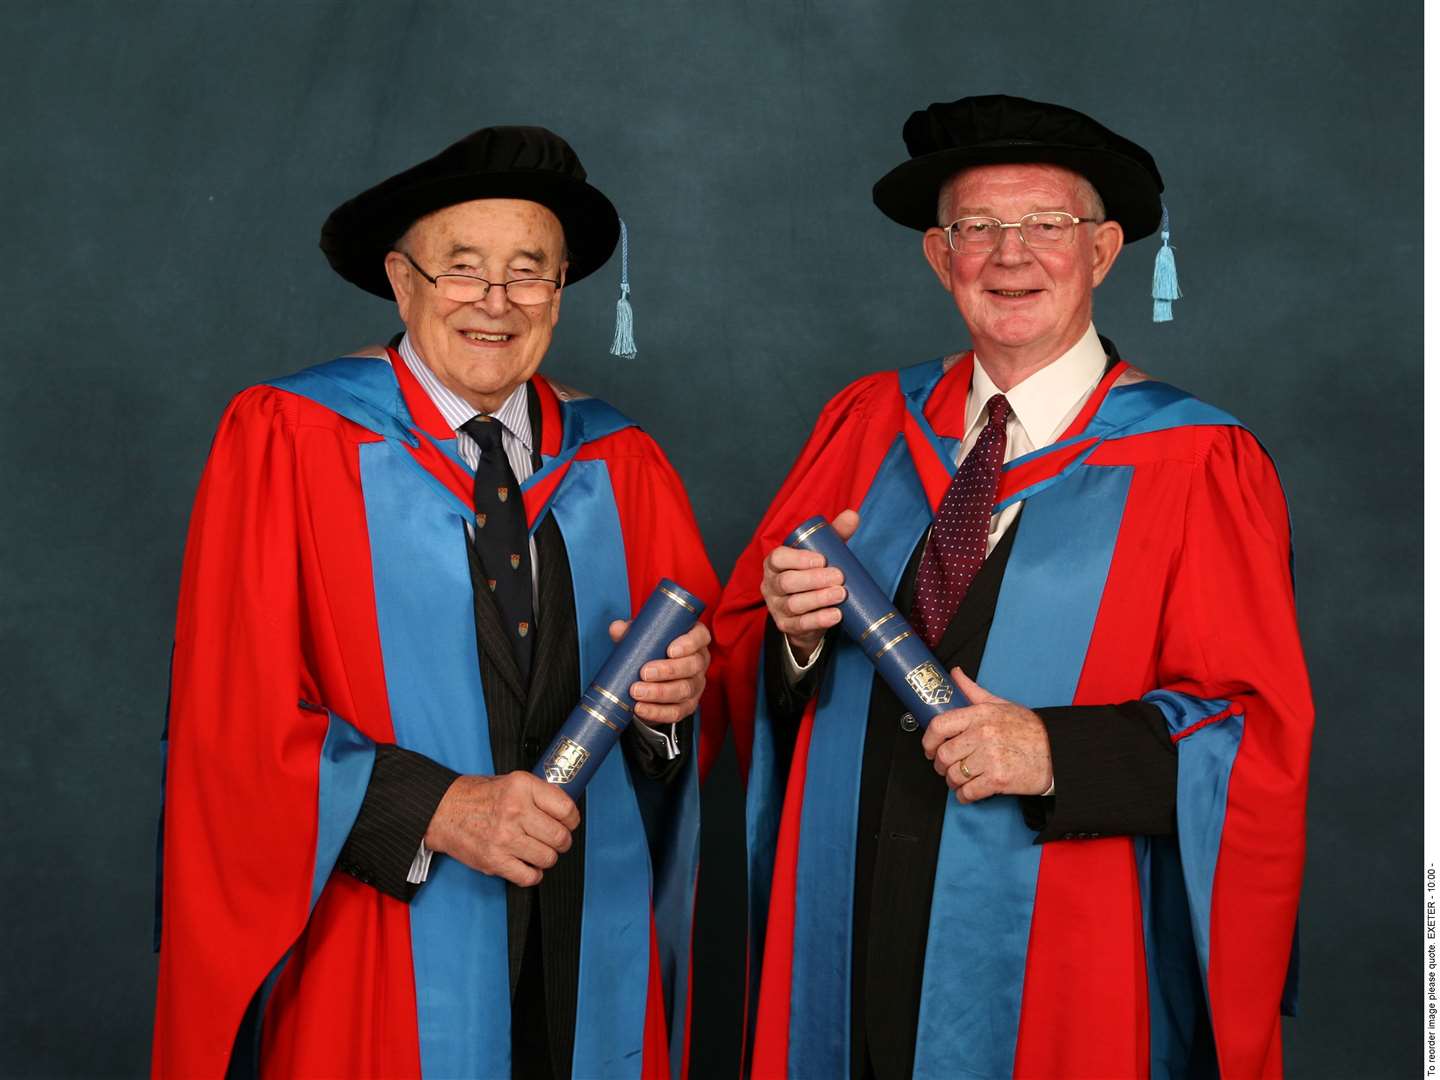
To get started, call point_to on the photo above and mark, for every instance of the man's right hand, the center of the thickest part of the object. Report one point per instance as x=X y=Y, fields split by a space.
x=801 y=592
x=513 y=826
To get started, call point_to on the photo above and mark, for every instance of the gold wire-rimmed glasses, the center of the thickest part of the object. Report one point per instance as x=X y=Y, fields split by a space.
x=1044 y=230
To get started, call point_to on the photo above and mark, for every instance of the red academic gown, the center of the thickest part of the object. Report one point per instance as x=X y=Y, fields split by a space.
x=1152 y=562
x=325 y=607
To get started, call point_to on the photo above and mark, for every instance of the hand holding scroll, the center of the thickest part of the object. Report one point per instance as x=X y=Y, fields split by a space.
x=801 y=591
x=990 y=747
x=661 y=655
x=669 y=690
x=514 y=826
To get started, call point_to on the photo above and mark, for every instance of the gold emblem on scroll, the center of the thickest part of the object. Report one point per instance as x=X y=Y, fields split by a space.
x=566 y=761
x=928 y=681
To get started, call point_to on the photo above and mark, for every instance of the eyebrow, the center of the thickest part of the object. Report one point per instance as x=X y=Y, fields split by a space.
x=523 y=253
x=985 y=211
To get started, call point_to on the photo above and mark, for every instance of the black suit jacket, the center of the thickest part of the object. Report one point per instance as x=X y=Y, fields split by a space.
x=405 y=787
x=1114 y=775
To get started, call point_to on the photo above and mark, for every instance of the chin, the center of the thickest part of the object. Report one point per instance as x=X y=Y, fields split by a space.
x=1015 y=337
x=491 y=387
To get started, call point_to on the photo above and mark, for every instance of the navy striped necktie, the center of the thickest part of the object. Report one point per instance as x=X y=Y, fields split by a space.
x=502 y=537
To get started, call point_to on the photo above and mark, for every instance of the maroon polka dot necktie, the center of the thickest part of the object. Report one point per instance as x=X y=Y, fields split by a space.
x=502 y=537
x=958 y=539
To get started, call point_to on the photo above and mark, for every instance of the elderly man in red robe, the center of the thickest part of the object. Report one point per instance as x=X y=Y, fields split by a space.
x=402 y=568
x=1092 y=869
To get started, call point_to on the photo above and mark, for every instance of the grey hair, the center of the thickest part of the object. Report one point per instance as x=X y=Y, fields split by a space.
x=1091 y=205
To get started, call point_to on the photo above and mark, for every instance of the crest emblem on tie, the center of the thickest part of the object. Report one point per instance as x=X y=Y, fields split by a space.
x=480 y=520
x=522 y=628
x=502 y=493
x=491 y=583
x=514 y=562
x=928 y=681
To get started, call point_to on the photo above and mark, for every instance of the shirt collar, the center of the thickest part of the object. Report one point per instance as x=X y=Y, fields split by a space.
x=1042 y=401
x=514 y=413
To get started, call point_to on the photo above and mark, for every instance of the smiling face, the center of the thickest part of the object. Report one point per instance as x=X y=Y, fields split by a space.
x=1024 y=308
x=483 y=350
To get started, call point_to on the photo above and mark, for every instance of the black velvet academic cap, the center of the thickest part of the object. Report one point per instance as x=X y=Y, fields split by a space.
x=492 y=163
x=995 y=129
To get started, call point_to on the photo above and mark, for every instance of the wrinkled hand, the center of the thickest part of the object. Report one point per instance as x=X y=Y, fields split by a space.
x=991 y=747
x=669 y=690
x=514 y=826
x=801 y=592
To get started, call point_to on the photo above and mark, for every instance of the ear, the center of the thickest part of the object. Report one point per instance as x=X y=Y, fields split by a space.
x=402 y=283
x=1109 y=239
x=937 y=254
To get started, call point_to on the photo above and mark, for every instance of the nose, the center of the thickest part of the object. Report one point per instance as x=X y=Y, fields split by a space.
x=495 y=302
x=1011 y=250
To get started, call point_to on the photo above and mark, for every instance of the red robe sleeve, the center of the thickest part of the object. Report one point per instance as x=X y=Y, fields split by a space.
x=656 y=521
x=247 y=728
x=833 y=472
x=1229 y=675
x=1237 y=597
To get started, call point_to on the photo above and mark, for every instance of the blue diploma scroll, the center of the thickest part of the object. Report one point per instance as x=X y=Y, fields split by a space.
x=606 y=707
x=872 y=621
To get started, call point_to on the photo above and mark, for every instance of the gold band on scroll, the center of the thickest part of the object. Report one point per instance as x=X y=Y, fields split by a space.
x=891 y=644
x=877 y=623
x=608 y=696
x=598 y=715
x=678 y=599
x=809 y=532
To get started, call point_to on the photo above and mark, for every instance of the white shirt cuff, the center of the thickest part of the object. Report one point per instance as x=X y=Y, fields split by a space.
x=794 y=670
x=420 y=866
x=664 y=738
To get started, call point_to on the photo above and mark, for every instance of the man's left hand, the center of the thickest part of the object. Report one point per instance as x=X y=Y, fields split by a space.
x=669 y=690
x=991 y=747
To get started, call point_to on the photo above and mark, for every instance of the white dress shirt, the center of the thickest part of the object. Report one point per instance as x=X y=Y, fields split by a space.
x=1042 y=406
x=516 y=438
x=518 y=442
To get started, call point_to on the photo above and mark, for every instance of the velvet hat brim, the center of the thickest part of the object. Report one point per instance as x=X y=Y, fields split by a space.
x=493 y=163
x=948 y=137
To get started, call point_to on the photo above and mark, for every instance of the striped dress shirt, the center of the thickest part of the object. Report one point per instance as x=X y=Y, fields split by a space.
x=518 y=442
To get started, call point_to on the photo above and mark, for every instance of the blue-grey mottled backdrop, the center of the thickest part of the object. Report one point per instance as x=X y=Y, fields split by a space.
x=166 y=169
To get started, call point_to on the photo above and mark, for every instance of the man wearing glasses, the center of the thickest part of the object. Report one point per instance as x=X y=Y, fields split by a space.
x=402 y=568
x=1092 y=867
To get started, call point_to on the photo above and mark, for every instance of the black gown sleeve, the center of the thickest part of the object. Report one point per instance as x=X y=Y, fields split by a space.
x=788 y=700
x=645 y=754
x=405 y=789
x=1115 y=770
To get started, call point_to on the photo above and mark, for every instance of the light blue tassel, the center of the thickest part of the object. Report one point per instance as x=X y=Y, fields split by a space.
x=1166 y=285
x=624 y=343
